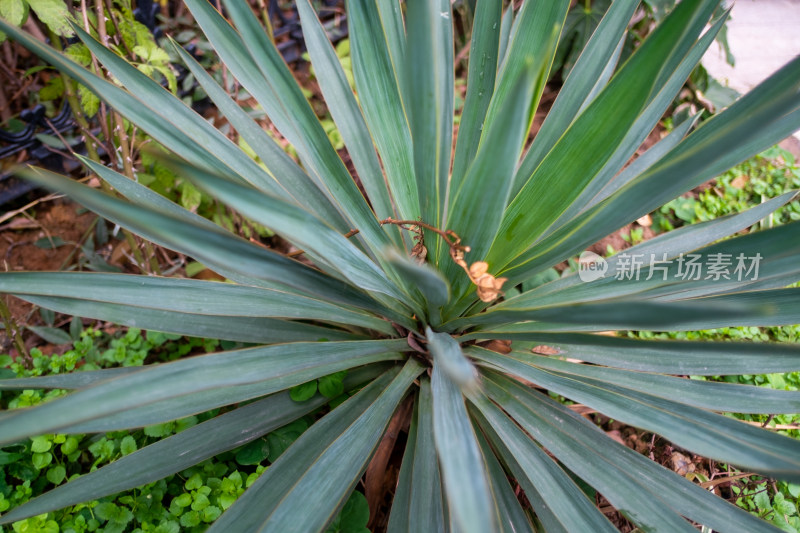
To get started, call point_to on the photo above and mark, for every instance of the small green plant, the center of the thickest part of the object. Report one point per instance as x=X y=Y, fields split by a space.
x=635 y=236
x=773 y=506
x=53 y=13
x=761 y=178
x=135 y=42
x=417 y=285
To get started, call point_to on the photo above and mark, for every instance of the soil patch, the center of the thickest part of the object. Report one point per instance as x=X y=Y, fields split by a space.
x=26 y=242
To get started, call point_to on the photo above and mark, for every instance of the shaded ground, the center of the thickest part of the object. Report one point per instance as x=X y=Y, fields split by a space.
x=27 y=242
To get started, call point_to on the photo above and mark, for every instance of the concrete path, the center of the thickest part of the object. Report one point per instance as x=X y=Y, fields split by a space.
x=763 y=35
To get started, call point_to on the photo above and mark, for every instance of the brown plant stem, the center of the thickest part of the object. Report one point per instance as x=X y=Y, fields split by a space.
x=125 y=149
x=70 y=92
x=13 y=330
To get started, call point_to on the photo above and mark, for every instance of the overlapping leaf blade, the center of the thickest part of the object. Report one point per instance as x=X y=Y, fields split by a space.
x=625 y=473
x=183 y=296
x=639 y=165
x=380 y=97
x=510 y=514
x=345 y=111
x=170 y=109
x=715 y=396
x=559 y=503
x=662 y=268
x=275 y=367
x=211 y=246
x=587 y=145
x=696 y=358
x=630 y=313
x=752 y=124
x=327 y=459
x=643 y=124
x=299 y=227
x=302 y=188
x=180 y=451
x=391 y=17
x=143 y=196
x=476 y=208
x=429 y=77
x=483 y=64
x=307 y=134
x=73 y=380
x=180 y=141
x=418 y=504
x=706 y=433
x=535 y=33
x=463 y=469
x=578 y=86
x=234 y=328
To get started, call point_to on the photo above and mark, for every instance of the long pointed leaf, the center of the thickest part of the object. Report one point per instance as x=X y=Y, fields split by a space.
x=559 y=503
x=235 y=328
x=476 y=208
x=344 y=110
x=484 y=58
x=621 y=488
x=673 y=243
x=143 y=196
x=178 y=452
x=644 y=161
x=302 y=188
x=727 y=397
x=307 y=134
x=700 y=313
x=156 y=124
x=622 y=474
x=327 y=459
x=645 y=122
x=430 y=78
x=573 y=95
x=510 y=514
x=587 y=145
x=391 y=17
x=696 y=358
x=537 y=26
x=73 y=380
x=753 y=123
x=275 y=367
x=381 y=102
x=299 y=227
x=168 y=108
x=423 y=507
x=211 y=246
x=663 y=258
x=183 y=295
x=400 y=515
x=463 y=470
x=703 y=432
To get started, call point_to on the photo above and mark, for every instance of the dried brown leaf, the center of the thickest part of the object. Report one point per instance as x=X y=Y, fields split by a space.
x=546 y=350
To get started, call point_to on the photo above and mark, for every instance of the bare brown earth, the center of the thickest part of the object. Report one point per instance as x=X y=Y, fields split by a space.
x=46 y=225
